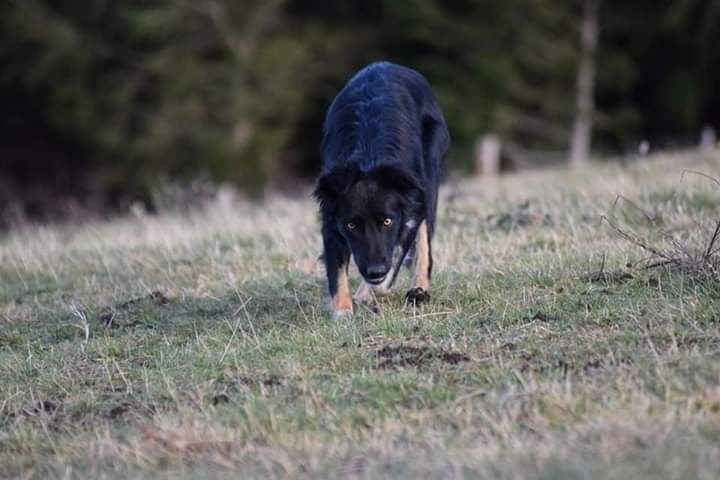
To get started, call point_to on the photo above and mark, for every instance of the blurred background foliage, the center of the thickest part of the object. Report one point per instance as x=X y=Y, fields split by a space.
x=102 y=100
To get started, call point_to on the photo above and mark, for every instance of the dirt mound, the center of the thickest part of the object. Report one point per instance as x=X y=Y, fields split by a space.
x=393 y=356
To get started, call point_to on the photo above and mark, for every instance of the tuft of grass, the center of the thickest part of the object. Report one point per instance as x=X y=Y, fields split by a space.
x=195 y=345
x=695 y=252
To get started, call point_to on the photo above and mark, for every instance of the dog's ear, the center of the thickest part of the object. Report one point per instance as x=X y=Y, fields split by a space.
x=404 y=182
x=333 y=184
x=324 y=192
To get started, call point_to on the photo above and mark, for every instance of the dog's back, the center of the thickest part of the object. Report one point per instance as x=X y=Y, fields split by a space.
x=384 y=115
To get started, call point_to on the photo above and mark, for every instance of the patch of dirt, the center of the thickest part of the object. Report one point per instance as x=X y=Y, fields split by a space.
x=111 y=316
x=531 y=362
x=230 y=386
x=416 y=356
x=119 y=410
x=598 y=364
x=265 y=381
x=540 y=317
x=593 y=365
x=124 y=408
x=698 y=340
x=220 y=399
x=44 y=409
x=156 y=297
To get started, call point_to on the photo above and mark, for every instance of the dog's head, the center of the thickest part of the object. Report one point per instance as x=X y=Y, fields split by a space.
x=373 y=211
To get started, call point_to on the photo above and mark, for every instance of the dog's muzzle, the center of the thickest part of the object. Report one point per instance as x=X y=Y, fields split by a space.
x=376 y=274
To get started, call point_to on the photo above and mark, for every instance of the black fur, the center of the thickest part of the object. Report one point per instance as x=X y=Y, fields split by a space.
x=383 y=147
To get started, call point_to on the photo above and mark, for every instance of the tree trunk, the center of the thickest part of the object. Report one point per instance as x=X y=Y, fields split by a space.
x=487 y=156
x=708 y=139
x=582 y=128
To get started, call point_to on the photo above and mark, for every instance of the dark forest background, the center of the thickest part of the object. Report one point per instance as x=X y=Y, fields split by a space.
x=102 y=101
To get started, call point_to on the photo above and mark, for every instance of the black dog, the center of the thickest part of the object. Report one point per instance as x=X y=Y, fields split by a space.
x=383 y=146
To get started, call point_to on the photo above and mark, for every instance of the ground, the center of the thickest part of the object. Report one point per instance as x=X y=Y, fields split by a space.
x=196 y=345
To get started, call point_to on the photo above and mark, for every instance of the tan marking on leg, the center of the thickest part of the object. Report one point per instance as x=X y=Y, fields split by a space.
x=422 y=259
x=342 y=301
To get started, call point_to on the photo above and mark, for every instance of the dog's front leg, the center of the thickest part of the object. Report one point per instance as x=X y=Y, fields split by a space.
x=423 y=265
x=365 y=296
x=368 y=295
x=337 y=259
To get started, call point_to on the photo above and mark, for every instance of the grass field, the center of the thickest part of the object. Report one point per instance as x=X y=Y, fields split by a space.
x=197 y=346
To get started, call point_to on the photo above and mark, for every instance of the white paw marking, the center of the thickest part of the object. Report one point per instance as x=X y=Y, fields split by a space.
x=342 y=313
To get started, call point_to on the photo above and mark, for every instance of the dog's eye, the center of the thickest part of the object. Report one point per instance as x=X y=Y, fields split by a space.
x=387 y=222
x=350 y=226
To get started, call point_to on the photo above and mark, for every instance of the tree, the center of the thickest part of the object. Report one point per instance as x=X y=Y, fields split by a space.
x=115 y=95
x=582 y=128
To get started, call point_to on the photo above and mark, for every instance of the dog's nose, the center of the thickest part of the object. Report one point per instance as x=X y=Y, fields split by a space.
x=376 y=272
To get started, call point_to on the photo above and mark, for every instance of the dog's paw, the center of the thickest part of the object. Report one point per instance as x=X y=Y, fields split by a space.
x=367 y=298
x=342 y=313
x=367 y=301
x=417 y=295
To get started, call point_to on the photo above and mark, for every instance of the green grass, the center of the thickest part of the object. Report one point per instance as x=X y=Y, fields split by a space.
x=519 y=368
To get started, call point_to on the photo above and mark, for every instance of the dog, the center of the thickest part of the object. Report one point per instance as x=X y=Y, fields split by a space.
x=383 y=147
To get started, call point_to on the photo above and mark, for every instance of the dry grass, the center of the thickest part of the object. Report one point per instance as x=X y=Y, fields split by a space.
x=678 y=249
x=195 y=345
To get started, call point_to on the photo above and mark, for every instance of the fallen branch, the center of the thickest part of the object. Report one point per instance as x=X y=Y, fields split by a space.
x=700 y=261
